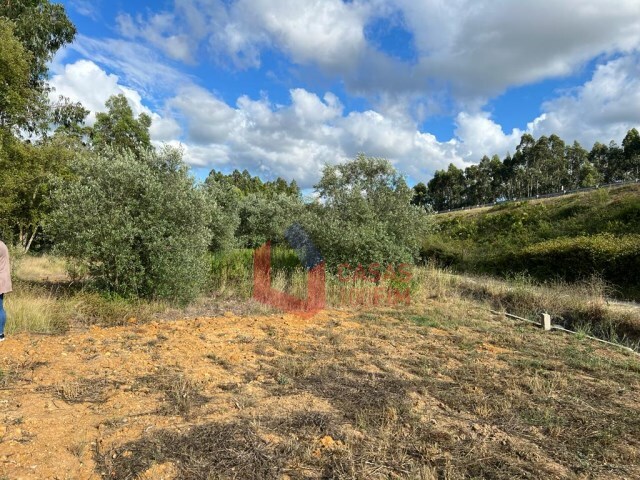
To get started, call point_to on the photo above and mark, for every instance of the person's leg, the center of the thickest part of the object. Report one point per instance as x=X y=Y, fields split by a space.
x=3 y=316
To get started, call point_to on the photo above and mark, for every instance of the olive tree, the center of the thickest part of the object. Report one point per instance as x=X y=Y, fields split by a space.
x=136 y=222
x=364 y=214
x=252 y=213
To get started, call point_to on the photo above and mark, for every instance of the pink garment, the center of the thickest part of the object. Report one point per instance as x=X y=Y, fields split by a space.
x=5 y=269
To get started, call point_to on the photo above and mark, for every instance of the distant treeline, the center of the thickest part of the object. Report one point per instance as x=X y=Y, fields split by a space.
x=538 y=167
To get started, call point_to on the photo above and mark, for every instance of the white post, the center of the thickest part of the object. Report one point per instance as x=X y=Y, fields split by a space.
x=545 y=322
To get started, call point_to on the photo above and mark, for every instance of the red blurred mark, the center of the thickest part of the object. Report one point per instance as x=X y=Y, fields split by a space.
x=262 y=291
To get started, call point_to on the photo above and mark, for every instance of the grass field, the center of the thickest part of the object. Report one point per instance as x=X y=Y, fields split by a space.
x=441 y=388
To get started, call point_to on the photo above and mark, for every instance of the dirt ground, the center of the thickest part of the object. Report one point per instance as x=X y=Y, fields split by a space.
x=436 y=391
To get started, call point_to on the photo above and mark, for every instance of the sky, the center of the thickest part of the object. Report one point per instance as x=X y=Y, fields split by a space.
x=283 y=87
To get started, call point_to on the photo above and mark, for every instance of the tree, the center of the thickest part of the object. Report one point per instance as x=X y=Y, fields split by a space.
x=364 y=215
x=224 y=202
x=579 y=174
x=478 y=183
x=70 y=118
x=15 y=91
x=599 y=158
x=265 y=218
x=631 y=147
x=138 y=224
x=616 y=163
x=447 y=187
x=247 y=211
x=119 y=129
x=420 y=195
x=31 y=31
x=42 y=28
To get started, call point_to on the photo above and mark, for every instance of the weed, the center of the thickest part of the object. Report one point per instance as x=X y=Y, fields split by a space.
x=181 y=394
x=89 y=390
x=210 y=451
x=218 y=360
x=77 y=448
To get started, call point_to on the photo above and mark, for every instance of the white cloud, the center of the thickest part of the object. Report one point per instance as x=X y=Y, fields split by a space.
x=85 y=82
x=88 y=8
x=139 y=67
x=158 y=31
x=483 y=47
x=325 y=32
x=602 y=109
x=472 y=49
x=482 y=136
x=296 y=140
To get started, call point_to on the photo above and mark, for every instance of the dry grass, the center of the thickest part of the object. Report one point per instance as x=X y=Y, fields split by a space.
x=42 y=268
x=32 y=309
x=580 y=306
x=439 y=389
x=181 y=394
x=37 y=308
x=400 y=399
x=41 y=305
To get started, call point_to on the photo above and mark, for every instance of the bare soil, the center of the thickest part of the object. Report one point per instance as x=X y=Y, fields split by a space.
x=436 y=391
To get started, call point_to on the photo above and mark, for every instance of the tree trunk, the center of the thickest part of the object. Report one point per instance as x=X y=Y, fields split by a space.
x=33 y=235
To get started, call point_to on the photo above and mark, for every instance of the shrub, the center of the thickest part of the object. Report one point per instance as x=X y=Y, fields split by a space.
x=549 y=239
x=614 y=257
x=233 y=269
x=137 y=224
x=365 y=215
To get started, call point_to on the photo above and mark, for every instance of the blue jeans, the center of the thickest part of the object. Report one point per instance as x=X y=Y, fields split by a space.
x=3 y=314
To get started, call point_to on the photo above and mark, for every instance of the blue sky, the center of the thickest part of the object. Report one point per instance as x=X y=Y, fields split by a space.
x=281 y=88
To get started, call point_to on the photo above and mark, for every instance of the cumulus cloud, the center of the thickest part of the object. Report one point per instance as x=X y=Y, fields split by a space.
x=85 y=82
x=602 y=109
x=473 y=49
x=480 y=135
x=325 y=32
x=296 y=140
x=605 y=108
x=483 y=47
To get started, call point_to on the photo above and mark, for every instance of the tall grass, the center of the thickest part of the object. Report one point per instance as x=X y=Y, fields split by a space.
x=34 y=310
x=232 y=270
x=45 y=300
x=582 y=306
x=45 y=310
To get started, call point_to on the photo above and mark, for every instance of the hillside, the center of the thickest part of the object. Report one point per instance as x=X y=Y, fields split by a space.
x=569 y=238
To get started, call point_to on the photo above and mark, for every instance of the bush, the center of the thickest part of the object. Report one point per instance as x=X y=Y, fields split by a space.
x=137 y=224
x=365 y=215
x=571 y=237
x=613 y=257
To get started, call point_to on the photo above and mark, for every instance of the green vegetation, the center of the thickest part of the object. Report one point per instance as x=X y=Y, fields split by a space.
x=137 y=226
x=365 y=215
x=570 y=238
x=538 y=167
x=232 y=270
